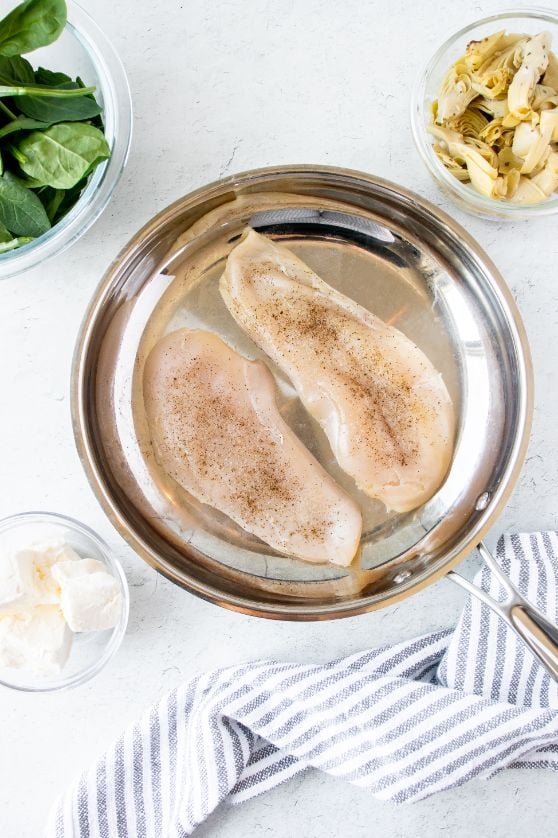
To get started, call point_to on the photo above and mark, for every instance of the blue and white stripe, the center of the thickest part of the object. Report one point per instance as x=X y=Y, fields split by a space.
x=404 y=721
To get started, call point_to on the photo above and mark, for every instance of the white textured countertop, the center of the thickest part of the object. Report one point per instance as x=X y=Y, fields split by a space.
x=219 y=87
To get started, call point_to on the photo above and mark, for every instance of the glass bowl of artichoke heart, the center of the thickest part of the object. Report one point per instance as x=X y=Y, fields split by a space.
x=485 y=115
x=65 y=128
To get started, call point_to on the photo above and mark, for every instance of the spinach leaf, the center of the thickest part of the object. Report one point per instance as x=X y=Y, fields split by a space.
x=71 y=197
x=51 y=78
x=16 y=70
x=21 y=211
x=19 y=156
x=50 y=109
x=27 y=182
x=15 y=242
x=97 y=121
x=5 y=235
x=23 y=123
x=32 y=24
x=61 y=155
x=51 y=200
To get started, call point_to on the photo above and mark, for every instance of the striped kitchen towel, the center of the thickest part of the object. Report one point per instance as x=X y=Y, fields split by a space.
x=403 y=722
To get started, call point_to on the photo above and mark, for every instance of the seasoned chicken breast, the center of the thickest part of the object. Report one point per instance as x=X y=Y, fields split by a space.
x=216 y=430
x=384 y=408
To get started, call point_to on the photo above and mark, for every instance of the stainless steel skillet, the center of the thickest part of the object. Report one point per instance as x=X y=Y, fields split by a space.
x=392 y=252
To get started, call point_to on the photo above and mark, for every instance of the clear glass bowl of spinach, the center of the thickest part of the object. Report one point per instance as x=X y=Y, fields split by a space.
x=61 y=154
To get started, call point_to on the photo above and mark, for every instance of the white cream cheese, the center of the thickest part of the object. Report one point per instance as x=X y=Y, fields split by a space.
x=37 y=639
x=90 y=597
x=25 y=576
x=16 y=581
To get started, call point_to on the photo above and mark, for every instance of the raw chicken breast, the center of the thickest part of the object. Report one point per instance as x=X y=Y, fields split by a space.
x=217 y=431
x=384 y=408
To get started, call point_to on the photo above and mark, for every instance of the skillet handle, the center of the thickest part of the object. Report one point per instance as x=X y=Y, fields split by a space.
x=530 y=624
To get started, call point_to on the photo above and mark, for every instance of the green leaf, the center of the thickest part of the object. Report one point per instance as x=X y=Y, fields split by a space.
x=61 y=155
x=15 y=152
x=52 y=78
x=97 y=121
x=27 y=182
x=21 y=211
x=13 y=243
x=5 y=235
x=16 y=70
x=51 y=200
x=71 y=197
x=23 y=123
x=50 y=109
x=32 y=24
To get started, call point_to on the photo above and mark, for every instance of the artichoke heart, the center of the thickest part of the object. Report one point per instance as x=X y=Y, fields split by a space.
x=549 y=123
x=539 y=166
x=511 y=121
x=530 y=144
x=528 y=192
x=544 y=97
x=483 y=149
x=550 y=78
x=534 y=61
x=471 y=123
x=506 y=185
x=498 y=108
x=507 y=161
x=494 y=75
x=474 y=154
x=477 y=52
x=492 y=132
x=511 y=180
x=493 y=84
x=457 y=168
x=484 y=177
x=455 y=94
x=506 y=56
x=547 y=178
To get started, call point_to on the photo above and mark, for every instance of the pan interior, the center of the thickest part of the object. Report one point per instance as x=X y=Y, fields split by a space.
x=395 y=273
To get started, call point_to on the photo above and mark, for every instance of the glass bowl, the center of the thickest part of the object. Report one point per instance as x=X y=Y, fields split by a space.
x=531 y=21
x=91 y=651
x=83 y=50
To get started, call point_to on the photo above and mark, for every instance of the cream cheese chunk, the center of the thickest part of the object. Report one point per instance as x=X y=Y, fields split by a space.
x=90 y=598
x=37 y=639
x=25 y=575
x=17 y=583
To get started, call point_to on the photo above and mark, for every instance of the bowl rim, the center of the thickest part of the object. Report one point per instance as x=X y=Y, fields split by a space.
x=118 y=115
x=59 y=684
x=307 y=611
x=465 y=196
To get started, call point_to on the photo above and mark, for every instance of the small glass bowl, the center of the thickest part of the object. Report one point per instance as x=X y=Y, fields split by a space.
x=83 y=50
x=530 y=21
x=92 y=650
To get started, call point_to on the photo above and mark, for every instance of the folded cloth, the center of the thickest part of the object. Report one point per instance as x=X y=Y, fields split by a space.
x=404 y=721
